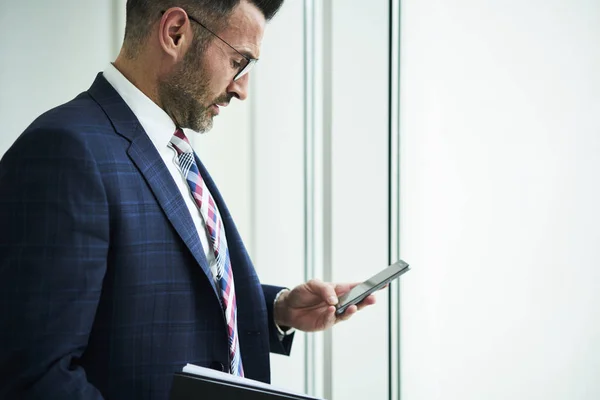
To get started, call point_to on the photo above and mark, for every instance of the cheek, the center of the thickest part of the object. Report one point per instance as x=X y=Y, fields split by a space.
x=216 y=85
x=216 y=74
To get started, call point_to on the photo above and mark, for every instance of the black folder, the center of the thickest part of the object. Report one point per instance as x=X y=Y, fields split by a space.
x=189 y=386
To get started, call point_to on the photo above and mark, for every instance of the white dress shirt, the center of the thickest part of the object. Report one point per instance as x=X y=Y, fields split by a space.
x=160 y=128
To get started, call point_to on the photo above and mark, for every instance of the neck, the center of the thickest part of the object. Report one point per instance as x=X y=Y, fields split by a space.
x=138 y=72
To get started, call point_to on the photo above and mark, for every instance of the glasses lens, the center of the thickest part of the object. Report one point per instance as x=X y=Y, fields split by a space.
x=245 y=70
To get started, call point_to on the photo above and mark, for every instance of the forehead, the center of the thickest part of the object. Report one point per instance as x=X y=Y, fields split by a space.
x=245 y=28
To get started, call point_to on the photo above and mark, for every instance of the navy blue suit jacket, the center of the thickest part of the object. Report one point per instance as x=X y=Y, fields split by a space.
x=104 y=288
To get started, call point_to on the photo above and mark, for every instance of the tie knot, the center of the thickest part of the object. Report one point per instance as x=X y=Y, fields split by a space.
x=180 y=142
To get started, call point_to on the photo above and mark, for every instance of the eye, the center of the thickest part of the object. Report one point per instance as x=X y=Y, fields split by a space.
x=236 y=64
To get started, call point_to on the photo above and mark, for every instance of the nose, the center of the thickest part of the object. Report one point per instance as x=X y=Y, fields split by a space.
x=239 y=88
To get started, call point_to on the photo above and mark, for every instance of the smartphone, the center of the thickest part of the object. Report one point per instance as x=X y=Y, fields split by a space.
x=361 y=291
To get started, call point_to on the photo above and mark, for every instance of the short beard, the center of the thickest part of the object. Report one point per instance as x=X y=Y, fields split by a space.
x=185 y=91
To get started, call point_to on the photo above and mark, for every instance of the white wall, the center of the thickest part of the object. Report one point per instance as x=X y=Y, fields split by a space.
x=500 y=145
x=50 y=52
x=359 y=193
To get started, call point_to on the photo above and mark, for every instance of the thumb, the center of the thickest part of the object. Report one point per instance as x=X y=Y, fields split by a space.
x=328 y=293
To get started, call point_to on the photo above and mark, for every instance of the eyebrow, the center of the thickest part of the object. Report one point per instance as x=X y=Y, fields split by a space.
x=248 y=54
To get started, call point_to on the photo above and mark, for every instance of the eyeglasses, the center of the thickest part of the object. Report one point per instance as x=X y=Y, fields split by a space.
x=244 y=68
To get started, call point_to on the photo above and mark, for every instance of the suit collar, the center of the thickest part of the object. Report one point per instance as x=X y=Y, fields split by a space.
x=154 y=120
x=118 y=112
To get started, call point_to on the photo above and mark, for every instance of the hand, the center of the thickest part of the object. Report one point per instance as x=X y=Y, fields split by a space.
x=310 y=306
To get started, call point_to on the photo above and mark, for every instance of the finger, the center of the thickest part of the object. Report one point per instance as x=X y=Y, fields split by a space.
x=330 y=318
x=347 y=314
x=341 y=288
x=369 y=301
x=326 y=290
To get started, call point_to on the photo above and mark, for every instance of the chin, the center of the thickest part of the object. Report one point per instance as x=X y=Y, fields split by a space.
x=202 y=126
x=203 y=123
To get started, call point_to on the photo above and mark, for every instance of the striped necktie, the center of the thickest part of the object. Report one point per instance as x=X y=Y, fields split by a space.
x=216 y=233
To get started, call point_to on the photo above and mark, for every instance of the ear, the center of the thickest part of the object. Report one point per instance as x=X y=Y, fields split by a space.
x=175 y=33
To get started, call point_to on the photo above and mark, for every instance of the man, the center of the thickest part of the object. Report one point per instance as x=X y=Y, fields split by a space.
x=119 y=261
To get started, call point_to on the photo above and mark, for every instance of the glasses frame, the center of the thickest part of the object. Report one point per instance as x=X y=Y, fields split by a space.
x=249 y=61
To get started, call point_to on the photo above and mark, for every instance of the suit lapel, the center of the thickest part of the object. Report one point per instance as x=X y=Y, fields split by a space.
x=148 y=161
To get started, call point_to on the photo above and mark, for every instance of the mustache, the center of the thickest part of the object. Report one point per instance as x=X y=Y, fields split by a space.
x=225 y=99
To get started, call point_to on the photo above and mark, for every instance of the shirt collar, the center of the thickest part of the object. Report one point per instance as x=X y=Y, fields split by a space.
x=156 y=122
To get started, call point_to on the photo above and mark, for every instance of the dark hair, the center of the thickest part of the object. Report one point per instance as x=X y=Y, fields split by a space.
x=142 y=14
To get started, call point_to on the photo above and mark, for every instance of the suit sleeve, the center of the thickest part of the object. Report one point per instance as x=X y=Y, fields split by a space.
x=53 y=251
x=278 y=344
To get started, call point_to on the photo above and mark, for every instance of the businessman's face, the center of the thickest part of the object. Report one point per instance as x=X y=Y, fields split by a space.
x=204 y=80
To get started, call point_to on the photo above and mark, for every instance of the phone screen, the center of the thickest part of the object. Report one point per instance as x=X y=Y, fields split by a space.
x=361 y=291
